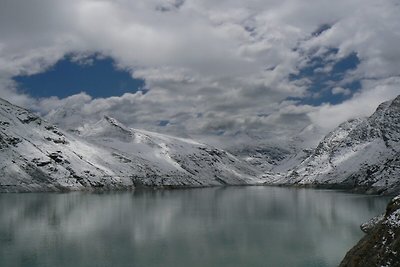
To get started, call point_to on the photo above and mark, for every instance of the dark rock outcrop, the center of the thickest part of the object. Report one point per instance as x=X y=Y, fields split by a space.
x=381 y=245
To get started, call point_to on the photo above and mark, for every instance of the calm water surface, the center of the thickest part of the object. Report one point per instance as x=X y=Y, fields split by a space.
x=236 y=226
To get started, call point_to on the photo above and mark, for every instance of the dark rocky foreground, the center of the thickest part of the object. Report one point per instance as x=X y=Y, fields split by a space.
x=381 y=245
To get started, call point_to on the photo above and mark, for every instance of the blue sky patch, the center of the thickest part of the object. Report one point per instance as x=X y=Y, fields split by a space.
x=100 y=78
x=163 y=123
x=322 y=80
x=321 y=29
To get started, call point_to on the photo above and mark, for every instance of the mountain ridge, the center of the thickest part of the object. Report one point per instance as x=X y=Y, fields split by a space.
x=361 y=154
x=38 y=156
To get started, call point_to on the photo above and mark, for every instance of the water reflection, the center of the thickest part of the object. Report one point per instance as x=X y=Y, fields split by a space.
x=236 y=226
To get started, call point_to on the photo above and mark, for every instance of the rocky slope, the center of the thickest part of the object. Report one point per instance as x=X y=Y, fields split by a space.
x=37 y=156
x=361 y=153
x=381 y=245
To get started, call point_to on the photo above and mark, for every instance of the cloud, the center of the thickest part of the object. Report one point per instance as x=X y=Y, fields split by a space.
x=341 y=90
x=213 y=68
x=361 y=104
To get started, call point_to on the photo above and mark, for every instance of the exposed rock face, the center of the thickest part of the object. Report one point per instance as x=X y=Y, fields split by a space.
x=363 y=154
x=381 y=245
x=37 y=156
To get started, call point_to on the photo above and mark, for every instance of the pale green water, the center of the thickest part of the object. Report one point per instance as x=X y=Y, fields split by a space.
x=236 y=226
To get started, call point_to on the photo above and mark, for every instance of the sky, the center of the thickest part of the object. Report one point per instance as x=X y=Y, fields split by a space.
x=225 y=72
x=96 y=76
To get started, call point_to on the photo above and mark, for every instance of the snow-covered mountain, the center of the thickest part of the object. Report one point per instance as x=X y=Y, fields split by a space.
x=362 y=153
x=271 y=158
x=278 y=154
x=37 y=156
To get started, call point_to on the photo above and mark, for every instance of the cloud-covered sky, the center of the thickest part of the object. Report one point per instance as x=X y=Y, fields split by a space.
x=216 y=70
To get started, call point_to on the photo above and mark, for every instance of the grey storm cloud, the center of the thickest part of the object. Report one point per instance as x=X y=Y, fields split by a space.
x=228 y=60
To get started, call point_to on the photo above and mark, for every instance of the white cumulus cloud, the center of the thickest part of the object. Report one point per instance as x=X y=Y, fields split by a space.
x=211 y=67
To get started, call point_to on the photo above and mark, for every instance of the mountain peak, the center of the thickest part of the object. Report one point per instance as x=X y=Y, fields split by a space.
x=390 y=104
x=117 y=124
x=360 y=153
x=4 y=102
x=11 y=106
x=36 y=156
x=112 y=121
x=107 y=127
x=395 y=102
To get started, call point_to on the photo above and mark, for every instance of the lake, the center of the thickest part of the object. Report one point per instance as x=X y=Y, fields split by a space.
x=226 y=226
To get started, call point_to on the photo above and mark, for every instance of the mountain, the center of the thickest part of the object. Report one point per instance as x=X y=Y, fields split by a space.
x=277 y=154
x=381 y=244
x=205 y=164
x=37 y=156
x=361 y=153
x=271 y=158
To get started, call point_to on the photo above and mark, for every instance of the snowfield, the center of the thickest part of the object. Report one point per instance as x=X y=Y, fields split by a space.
x=37 y=156
x=361 y=154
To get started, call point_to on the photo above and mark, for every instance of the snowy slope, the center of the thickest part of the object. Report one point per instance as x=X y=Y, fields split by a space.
x=271 y=158
x=37 y=156
x=361 y=153
x=204 y=164
x=279 y=154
